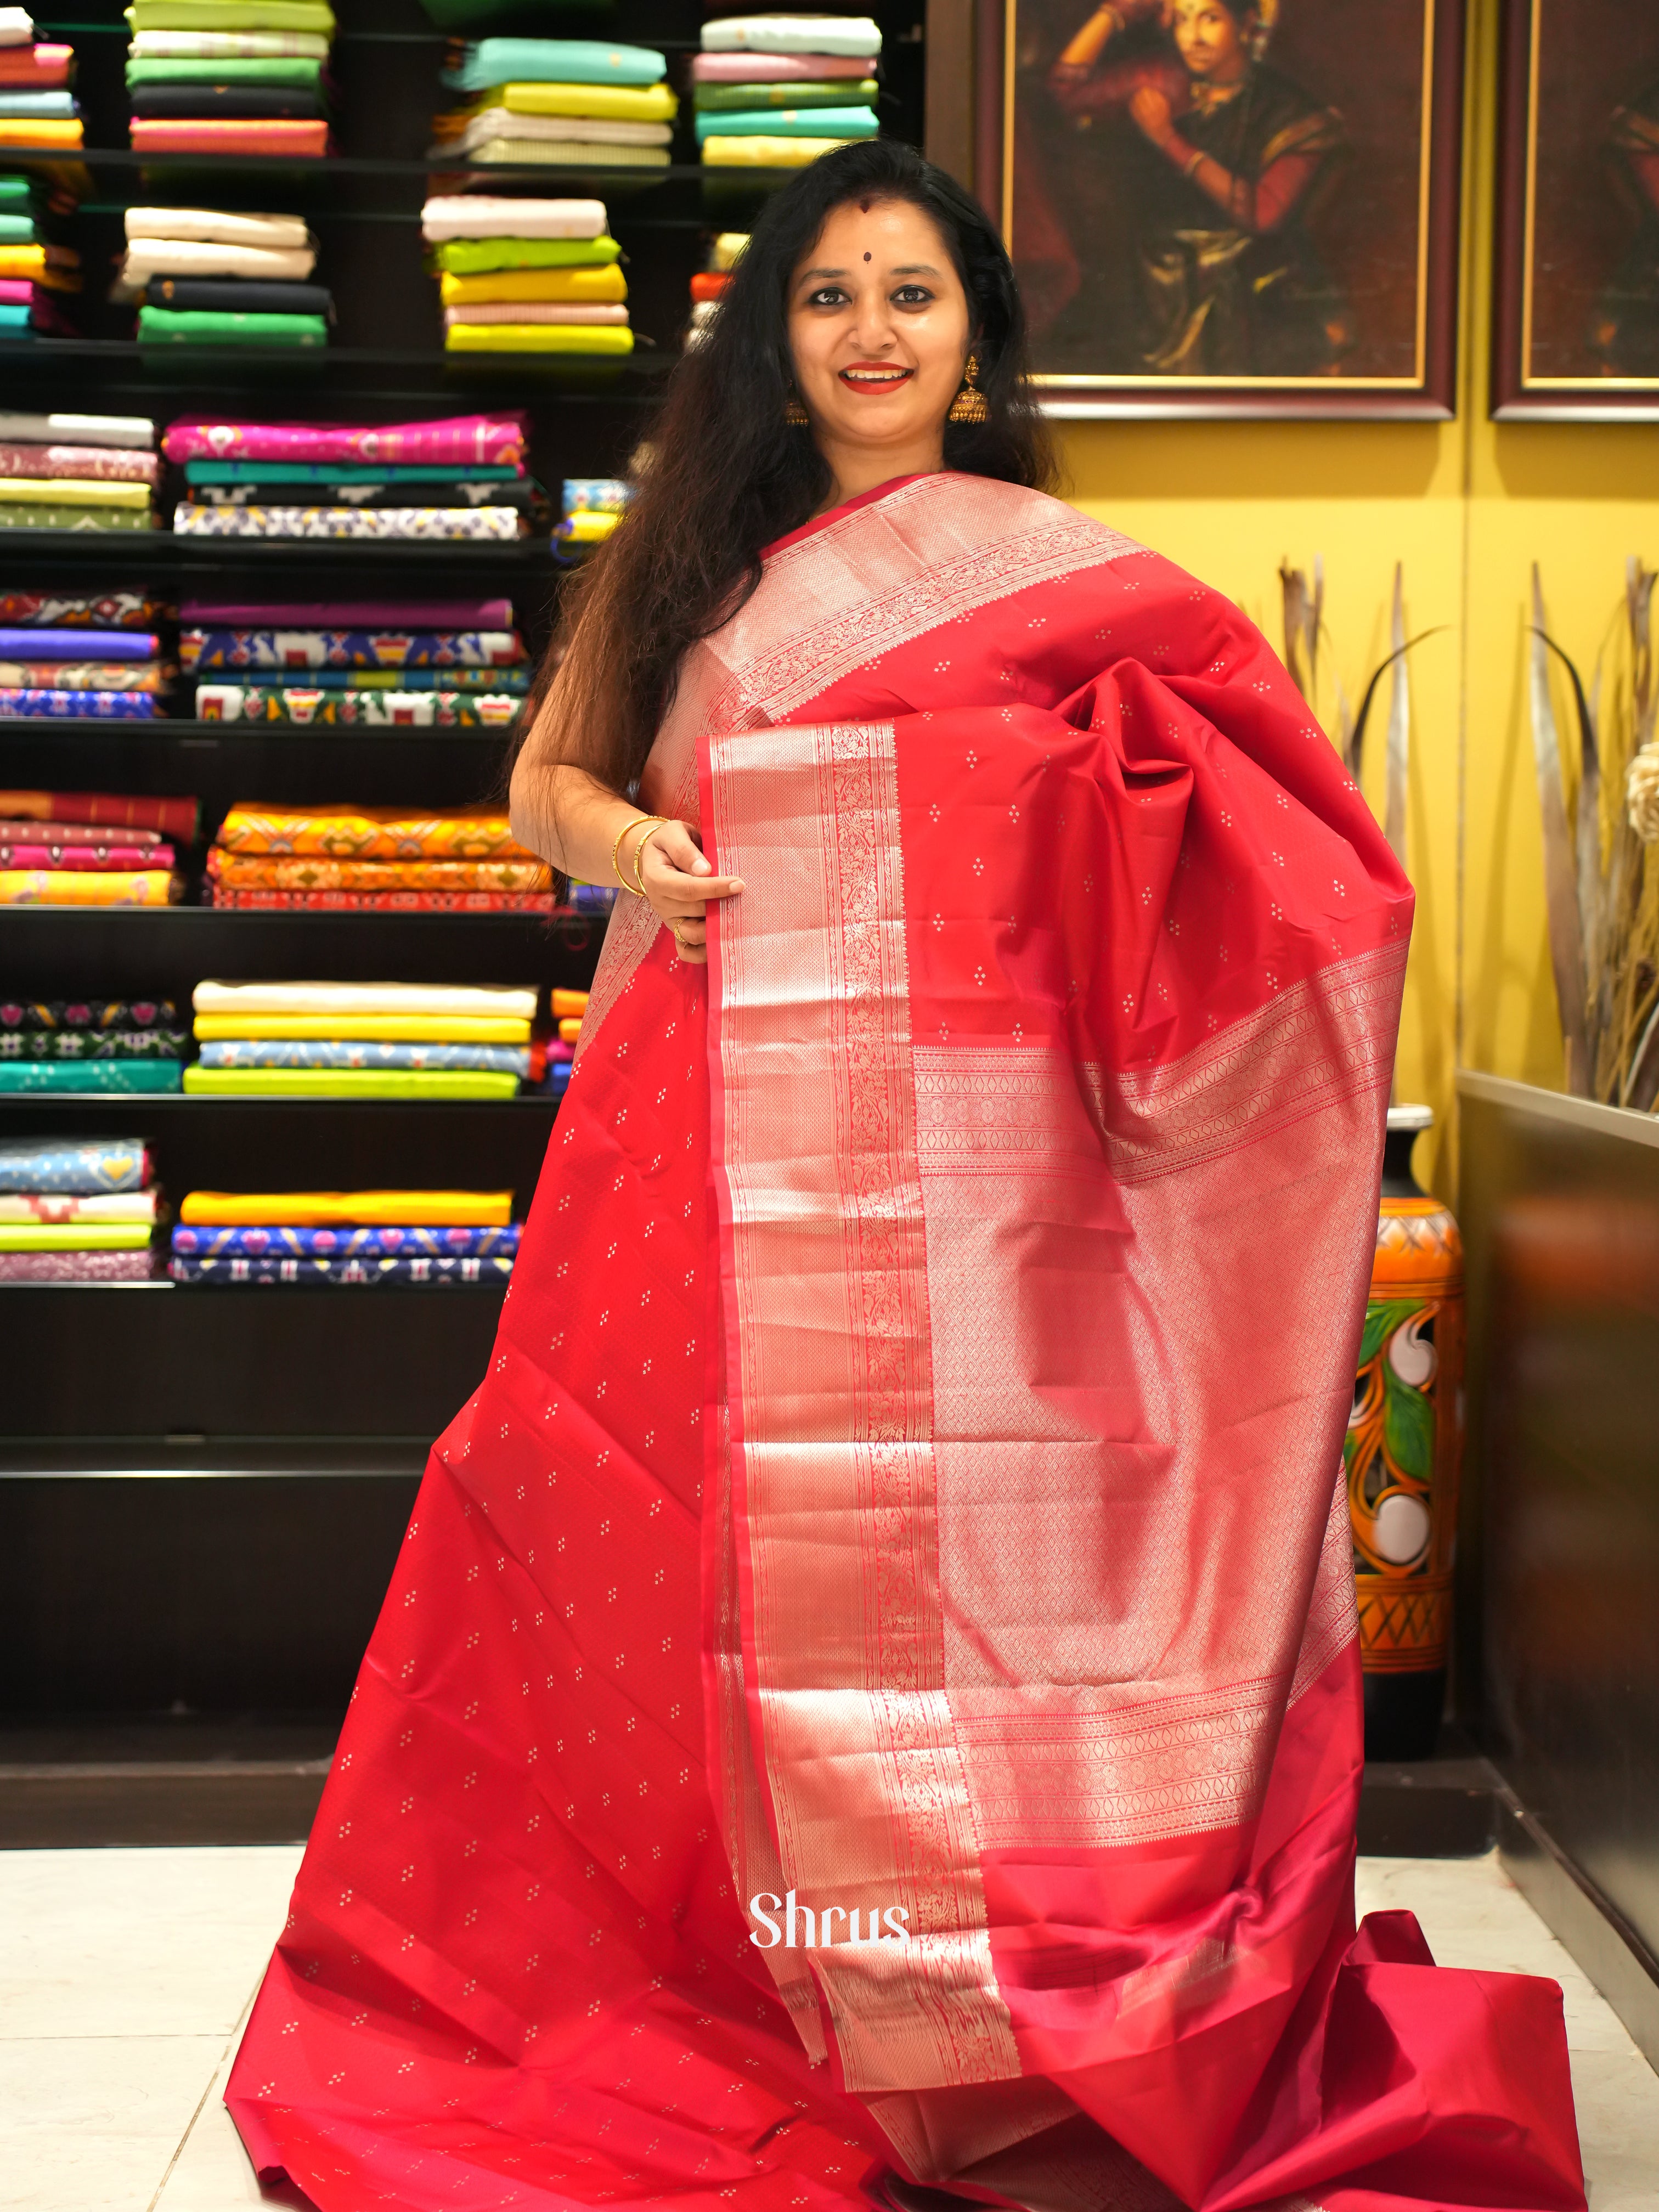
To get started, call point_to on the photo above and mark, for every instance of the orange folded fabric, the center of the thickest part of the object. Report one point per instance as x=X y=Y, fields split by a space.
x=269 y=872
x=370 y=833
x=263 y=135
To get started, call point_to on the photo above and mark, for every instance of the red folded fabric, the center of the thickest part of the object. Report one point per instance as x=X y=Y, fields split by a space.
x=385 y=902
x=173 y=818
x=268 y=135
x=708 y=284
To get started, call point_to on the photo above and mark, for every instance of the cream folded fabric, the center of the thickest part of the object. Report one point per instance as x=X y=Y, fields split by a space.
x=519 y=152
x=768 y=153
x=229 y=46
x=128 y=430
x=71 y=491
x=186 y=257
x=347 y=1209
x=791 y=34
x=494 y=123
x=56 y=1205
x=210 y=997
x=16 y=27
x=273 y=232
x=480 y=215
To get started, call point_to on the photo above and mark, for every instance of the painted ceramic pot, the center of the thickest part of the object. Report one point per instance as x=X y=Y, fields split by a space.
x=1404 y=1454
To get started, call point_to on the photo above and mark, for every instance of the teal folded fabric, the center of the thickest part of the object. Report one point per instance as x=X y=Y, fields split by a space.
x=90 y=1075
x=15 y=321
x=201 y=327
x=333 y=472
x=167 y=68
x=790 y=122
x=17 y=230
x=554 y=61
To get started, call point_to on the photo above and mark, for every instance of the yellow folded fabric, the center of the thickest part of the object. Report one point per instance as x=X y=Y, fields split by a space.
x=538 y=338
x=604 y=285
x=74 y=1235
x=55 y=132
x=570 y=1030
x=88 y=886
x=768 y=153
x=367 y=1029
x=347 y=1209
x=73 y=491
x=587 y=527
x=495 y=1000
x=349 y=1083
x=614 y=103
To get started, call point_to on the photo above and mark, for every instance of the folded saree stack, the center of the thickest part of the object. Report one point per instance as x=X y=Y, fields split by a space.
x=774 y=92
x=230 y=77
x=379 y=859
x=357 y=1238
x=593 y=506
x=38 y=111
x=460 y=477
x=567 y=1008
x=38 y=273
x=414 y=1040
x=78 y=472
x=557 y=103
x=709 y=285
x=97 y=1045
x=76 y=1211
x=80 y=656
x=92 y=848
x=445 y=664
x=526 y=275
x=216 y=276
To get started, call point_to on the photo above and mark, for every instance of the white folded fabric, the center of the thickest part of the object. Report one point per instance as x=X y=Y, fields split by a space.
x=480 y=215
x=572 y=129
x=188 y=257
x=791 y=34
x=239 y=999
x=16 y=27
x=220 y=225
x=128 y=430
x=534 y=311
x=229 y=46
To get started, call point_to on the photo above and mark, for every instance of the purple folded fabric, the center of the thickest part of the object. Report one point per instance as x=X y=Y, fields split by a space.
x=353 y=614
x=78 y=645
x=77 y=1266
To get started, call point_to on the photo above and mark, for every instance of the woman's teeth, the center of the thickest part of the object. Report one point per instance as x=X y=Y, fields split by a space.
x=875 y=375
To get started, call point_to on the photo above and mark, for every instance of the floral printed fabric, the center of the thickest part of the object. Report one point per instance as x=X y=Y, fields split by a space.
x=87 y=1013
x=496 y=525
x=78 y=706
x=454 y=1242
x=488 y=438
x=258 y=872
x=293 y=650
x=309 y=708
x=74 y=610
x=92 y=1044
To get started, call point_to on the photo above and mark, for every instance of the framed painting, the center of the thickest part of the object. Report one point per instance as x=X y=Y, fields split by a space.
x=1577 y=274
x=1229 y=207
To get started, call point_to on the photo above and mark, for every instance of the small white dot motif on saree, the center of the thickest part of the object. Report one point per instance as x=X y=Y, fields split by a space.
x=979 y=866
x=940 y=667
x=1019 y=1033
x=933 y=812
x=1128 y=1003
x=973 y=760
x=1278 y=859
x=1273 y=980
x=1172 y=924
x=943 y=1033
x=979 y=977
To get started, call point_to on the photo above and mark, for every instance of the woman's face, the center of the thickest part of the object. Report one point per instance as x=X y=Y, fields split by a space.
x=1211 y=39
x=879 y=327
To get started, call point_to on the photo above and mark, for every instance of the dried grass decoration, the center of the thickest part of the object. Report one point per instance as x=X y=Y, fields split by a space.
x=1602 y=898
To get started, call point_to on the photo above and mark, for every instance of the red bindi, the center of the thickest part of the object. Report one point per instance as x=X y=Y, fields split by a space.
x=866 y=257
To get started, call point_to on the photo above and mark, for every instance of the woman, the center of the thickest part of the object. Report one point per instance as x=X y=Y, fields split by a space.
x=869 y=1704
x=1224 y=163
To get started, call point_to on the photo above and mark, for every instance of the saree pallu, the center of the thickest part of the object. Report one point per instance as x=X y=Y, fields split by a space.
x=921 y=1514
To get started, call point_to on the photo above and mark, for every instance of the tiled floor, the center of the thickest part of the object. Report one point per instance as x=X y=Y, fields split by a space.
x=125 y=1976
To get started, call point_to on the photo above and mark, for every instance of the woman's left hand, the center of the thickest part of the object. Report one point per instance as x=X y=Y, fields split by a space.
x=678 y=883
x=1152 y=113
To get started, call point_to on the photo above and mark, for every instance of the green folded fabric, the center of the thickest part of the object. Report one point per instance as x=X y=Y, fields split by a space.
x=17 y=230
x=350 y=1083
x=73 y=491
x=16 y=192
x=348 y=472
x=74 y=1235
x=787 y=123
x=88 y=1075
x=206 y=326
x=475 y=256
x=231 y=15
x=167 y=68
x=725 y=99
x=56 y=515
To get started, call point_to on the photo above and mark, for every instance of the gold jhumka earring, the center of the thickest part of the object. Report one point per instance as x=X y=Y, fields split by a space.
x=793 y=413
x=969 y=405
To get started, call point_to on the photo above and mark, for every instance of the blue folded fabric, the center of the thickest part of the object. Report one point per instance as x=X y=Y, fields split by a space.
x=315 y=1052
x=383 y=1243
x=77 y=644
x=554 y=61
x=354 y=1274
x=37 y=103
x=82 y=1169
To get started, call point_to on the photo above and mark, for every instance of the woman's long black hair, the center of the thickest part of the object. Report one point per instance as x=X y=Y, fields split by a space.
x=728 y=474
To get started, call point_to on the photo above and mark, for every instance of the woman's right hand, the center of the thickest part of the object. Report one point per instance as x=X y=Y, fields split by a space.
x=679 y=883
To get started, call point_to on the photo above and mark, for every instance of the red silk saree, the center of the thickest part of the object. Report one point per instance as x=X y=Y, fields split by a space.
x=902 y=1512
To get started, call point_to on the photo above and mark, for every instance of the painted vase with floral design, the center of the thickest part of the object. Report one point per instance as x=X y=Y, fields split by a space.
x=1404 y=1454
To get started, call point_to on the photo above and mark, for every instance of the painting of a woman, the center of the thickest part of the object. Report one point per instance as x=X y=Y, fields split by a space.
x=1214 y=162
x=1625 y=329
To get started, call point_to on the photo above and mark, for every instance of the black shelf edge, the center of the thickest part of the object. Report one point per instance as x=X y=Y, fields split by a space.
x=173 y=1103
x=179 y=729
x=118 y=548
x=105 y=1458
x=387 y=165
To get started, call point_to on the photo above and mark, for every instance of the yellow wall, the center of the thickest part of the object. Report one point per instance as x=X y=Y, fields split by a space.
x=1468 y=505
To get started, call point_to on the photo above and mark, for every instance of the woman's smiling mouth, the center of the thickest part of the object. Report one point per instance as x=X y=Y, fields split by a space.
x=875 y=375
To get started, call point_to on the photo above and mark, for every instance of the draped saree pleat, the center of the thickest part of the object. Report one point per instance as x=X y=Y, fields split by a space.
x=905 y=1481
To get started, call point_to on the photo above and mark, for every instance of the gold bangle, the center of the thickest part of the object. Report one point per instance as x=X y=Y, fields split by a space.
x=661 y=822
x=617 y=848
x=640 y=821
x=1191 y=168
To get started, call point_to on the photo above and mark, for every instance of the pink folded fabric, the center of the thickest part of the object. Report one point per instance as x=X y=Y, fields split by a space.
x=257 y=135
x=35 y=68
x=533 y=311
x=777 y=69
x=491 y=438
x=37 y=855
x=350 y=614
